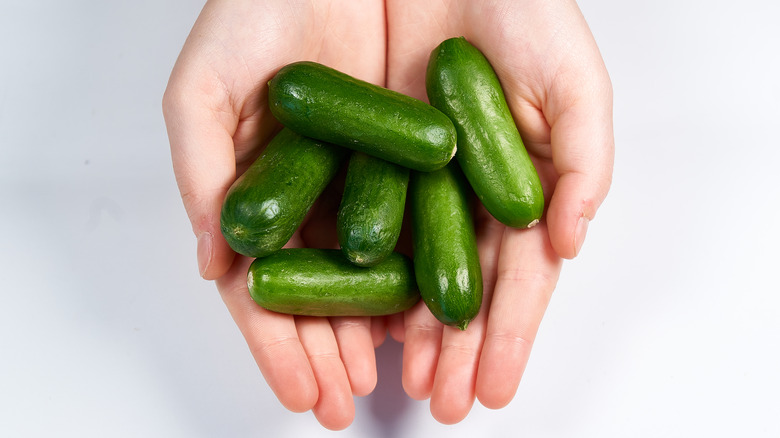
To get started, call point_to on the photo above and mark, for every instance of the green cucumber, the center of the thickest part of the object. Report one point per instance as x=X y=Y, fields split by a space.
x=323 y=103
x=446 y=261
x=321 y=282
x=462 y=84
x=268 y=202
x=372 y=209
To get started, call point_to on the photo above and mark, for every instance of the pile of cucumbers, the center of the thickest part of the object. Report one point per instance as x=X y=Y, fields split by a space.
x=394 y=145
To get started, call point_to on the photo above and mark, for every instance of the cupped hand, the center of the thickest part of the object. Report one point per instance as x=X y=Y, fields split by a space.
x=560 y=95
x=218 y=121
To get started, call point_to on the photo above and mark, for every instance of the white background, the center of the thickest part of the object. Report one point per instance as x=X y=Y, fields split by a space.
x=666 y=325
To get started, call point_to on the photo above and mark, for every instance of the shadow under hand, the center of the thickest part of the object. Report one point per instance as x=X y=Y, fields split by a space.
x=388 y=402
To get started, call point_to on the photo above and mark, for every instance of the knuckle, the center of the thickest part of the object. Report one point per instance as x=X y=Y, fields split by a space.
x=527 y=278
x=271 y=347
x=348 y=324
x=423 y=328
x=510 y=339
x=458 y=350
x=323 y=356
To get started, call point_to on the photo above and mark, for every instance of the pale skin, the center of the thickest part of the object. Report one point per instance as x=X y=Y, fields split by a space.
x=218 y=121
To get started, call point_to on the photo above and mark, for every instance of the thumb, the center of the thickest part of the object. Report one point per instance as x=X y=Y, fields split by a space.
x=204 y=163
x=582 y=142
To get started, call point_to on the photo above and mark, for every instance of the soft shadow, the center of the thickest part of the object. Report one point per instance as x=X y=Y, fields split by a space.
x=389 y=403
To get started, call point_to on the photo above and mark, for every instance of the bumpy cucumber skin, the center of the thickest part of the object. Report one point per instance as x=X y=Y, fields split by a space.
x=321 y=282
x=372 y=209
x=462 y=84
x=323 y=103
x=268 y=202
x=446 y=261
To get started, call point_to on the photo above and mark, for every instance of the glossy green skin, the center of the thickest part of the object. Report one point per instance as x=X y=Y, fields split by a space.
x=268 y=202
x=446 y=261
x=372 y=209
x=462 y=84
x=323 y=103
x=321 y=282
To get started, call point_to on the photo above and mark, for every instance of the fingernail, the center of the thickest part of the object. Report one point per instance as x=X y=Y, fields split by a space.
x=205 y=242
x=579 y=234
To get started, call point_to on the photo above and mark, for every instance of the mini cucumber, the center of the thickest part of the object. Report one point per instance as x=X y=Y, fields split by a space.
x=323 y=103
x=268 y=202
x=372 y=209
x=462 y=84
x=321 y=282
x=446 y=261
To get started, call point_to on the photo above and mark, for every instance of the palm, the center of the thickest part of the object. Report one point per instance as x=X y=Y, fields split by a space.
x=232 y=52
x=529 y=48
x=268 y=35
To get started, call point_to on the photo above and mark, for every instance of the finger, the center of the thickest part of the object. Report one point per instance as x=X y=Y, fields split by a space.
x=395 y=326
x=379 y=330
x=527 y=272
x=335 y=408
x=454 y=384
x=356 y=347
x=422 y=343
x=273 y=341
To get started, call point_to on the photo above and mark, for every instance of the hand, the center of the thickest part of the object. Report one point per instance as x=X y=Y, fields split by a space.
x=218 y=120
x=560 y=95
